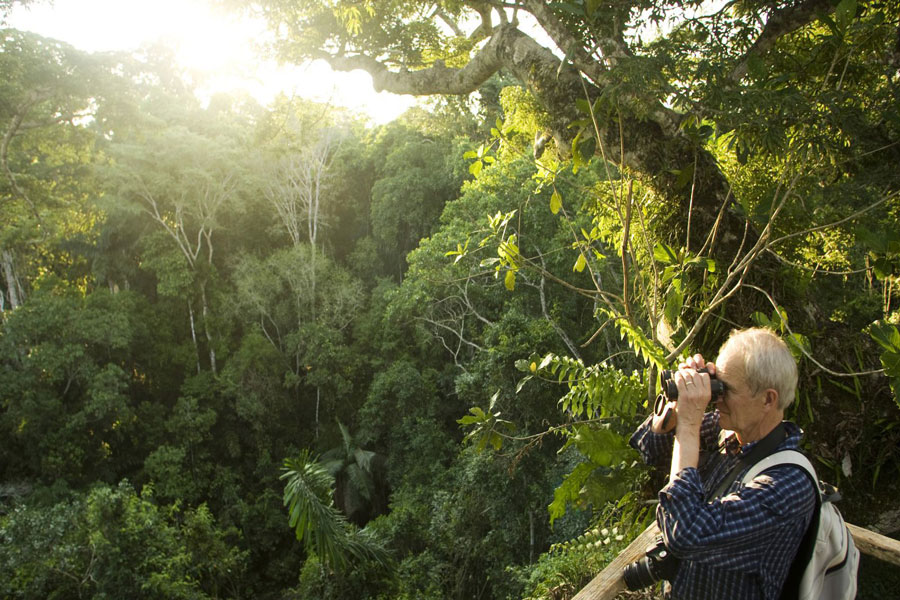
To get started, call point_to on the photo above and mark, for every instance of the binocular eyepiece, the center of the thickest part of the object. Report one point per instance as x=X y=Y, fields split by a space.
x=669 y=393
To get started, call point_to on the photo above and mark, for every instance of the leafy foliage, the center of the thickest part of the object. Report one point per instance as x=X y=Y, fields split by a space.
x=597 y=391
x=114 y=542
x=163 y=321
x=888 y=337
x=307 y=495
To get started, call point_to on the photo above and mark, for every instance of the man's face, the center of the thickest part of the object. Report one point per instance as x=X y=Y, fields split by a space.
x=740 y=410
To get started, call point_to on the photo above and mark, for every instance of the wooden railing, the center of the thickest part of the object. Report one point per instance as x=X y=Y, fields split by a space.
x=609 y=584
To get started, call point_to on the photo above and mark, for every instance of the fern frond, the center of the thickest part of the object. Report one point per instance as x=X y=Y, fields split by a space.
x=317 y=523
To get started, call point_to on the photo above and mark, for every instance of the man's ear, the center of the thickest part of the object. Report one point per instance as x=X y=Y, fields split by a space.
x=771 y=400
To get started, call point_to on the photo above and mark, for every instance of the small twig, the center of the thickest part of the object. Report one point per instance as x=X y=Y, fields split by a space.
x=802 y=267
x=835 y=223
x=626 y=236
x=595 y=334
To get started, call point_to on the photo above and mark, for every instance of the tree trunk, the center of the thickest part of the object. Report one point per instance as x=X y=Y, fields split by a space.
x=209 y=338
x=194 y=335
x=13 y=288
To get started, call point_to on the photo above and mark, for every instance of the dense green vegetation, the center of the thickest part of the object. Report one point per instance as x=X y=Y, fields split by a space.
x=274 y=352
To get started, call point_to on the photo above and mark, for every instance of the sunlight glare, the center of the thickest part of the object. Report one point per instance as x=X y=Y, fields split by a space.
x=219 y=51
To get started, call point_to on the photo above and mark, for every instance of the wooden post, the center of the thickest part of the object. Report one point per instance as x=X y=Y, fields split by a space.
x=609 y=584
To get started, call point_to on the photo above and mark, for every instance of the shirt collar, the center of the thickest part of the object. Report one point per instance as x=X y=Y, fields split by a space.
x=733 y=447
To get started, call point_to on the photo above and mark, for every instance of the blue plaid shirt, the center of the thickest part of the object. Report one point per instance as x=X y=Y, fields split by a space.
x=739 y=546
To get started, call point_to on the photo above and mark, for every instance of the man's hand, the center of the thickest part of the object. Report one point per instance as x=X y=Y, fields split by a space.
x=693 y=396
x=694 y=391
x=693 y=363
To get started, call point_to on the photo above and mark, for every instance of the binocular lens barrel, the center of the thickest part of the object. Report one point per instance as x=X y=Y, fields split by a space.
x=670 y=390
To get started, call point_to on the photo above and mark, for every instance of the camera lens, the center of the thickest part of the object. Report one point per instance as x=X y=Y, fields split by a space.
x=656 y=565
x=639 y=575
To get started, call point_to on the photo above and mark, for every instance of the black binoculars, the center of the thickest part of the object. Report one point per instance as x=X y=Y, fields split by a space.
x=669 y=393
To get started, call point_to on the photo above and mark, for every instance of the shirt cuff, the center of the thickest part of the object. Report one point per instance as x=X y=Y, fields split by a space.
x=648 y=443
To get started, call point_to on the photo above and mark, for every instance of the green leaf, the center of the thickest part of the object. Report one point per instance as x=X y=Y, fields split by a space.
x=883 y=268
x=888 y=337
x=510 y=280
x=522 y=383
x=487 y=262
x=470 y=154
x=569 y=490
x=476 y=167
x=651 y=352
x=674 y=301
x=580 y=263
x=844 y=13
x=760 y=319
x=493 y=400
x=546 y=361
x=891 y=363
x=555 y=202
x=685 y=176
x=665 y=254
x=799 y=345
x=602 y=446
x=577 y=159
x=886 y=334
x=587 y=148
x=523 y=364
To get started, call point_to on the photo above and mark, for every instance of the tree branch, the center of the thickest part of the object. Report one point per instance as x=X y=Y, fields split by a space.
x=14 y=127
x=803 y=350
x=611 y=47
x=780 y=23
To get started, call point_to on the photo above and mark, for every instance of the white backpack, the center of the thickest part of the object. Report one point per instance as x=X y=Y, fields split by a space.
x=830 y=571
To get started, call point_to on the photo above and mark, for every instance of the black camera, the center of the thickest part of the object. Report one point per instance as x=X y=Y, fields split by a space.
x=657 y=564
x=669 y=392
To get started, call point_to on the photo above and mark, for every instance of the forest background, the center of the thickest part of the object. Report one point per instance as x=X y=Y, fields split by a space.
x=273 y=352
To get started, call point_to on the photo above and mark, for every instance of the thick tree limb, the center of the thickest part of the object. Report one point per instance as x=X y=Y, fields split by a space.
x=651 y=145
x=611 y=46
x=440 y=13
x=11 y=131
x=780 y=23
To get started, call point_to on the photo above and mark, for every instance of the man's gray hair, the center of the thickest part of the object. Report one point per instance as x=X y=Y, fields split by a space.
x=767 y=362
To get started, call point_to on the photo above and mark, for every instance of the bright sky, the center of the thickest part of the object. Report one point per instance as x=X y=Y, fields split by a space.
x=207 y=41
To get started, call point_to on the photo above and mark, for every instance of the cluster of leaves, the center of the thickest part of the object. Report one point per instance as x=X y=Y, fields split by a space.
x=597 y=391
x=308 y=491
x=112 y=541
x=187 y=331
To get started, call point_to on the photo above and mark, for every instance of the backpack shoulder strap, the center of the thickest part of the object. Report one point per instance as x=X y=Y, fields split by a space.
x=763 y=448
x=793 y=584
x=784 y=457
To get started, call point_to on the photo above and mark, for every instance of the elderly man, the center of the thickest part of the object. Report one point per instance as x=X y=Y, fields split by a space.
x=735 y=543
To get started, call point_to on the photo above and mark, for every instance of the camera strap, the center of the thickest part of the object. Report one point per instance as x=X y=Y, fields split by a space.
x=762 y=449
